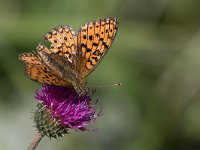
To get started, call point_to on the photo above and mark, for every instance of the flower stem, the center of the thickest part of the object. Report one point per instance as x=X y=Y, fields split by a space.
x=36 y=139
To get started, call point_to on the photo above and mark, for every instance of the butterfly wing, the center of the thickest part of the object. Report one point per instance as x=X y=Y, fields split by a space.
x=51 y=65
x=63 y=41
x=94 y=40
x=36 y=70
x=61 y=57
x=58 y=64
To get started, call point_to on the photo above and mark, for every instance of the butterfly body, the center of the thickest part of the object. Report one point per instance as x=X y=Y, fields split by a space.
x=71 y=57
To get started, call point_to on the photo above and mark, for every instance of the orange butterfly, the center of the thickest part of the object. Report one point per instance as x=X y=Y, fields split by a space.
x=71 y=56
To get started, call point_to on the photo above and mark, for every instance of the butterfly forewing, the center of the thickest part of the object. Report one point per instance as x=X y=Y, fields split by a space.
x=63 y=41
x=94 y=39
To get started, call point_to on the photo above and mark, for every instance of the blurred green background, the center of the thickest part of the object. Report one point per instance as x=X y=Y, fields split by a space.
x=156 y=56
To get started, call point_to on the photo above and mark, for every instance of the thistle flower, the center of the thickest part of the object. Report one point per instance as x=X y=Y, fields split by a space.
x=61 y=108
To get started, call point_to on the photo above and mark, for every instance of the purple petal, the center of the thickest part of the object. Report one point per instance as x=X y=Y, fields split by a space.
x=64 y=103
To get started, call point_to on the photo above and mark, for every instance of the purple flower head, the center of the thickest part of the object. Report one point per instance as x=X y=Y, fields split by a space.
x=66 y=106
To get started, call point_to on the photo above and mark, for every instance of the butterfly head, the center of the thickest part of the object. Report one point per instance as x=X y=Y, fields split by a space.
x=82 y=90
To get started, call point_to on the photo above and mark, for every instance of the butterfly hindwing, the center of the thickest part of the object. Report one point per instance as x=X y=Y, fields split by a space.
x=94 y=39
x=37 y=71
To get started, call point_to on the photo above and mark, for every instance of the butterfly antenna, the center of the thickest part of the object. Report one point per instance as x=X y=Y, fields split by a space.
x=107 y=85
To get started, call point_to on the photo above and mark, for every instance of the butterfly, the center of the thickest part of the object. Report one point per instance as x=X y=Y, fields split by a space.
x=72 y=56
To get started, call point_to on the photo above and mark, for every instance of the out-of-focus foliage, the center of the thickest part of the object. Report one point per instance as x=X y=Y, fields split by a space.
x=156 y=56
